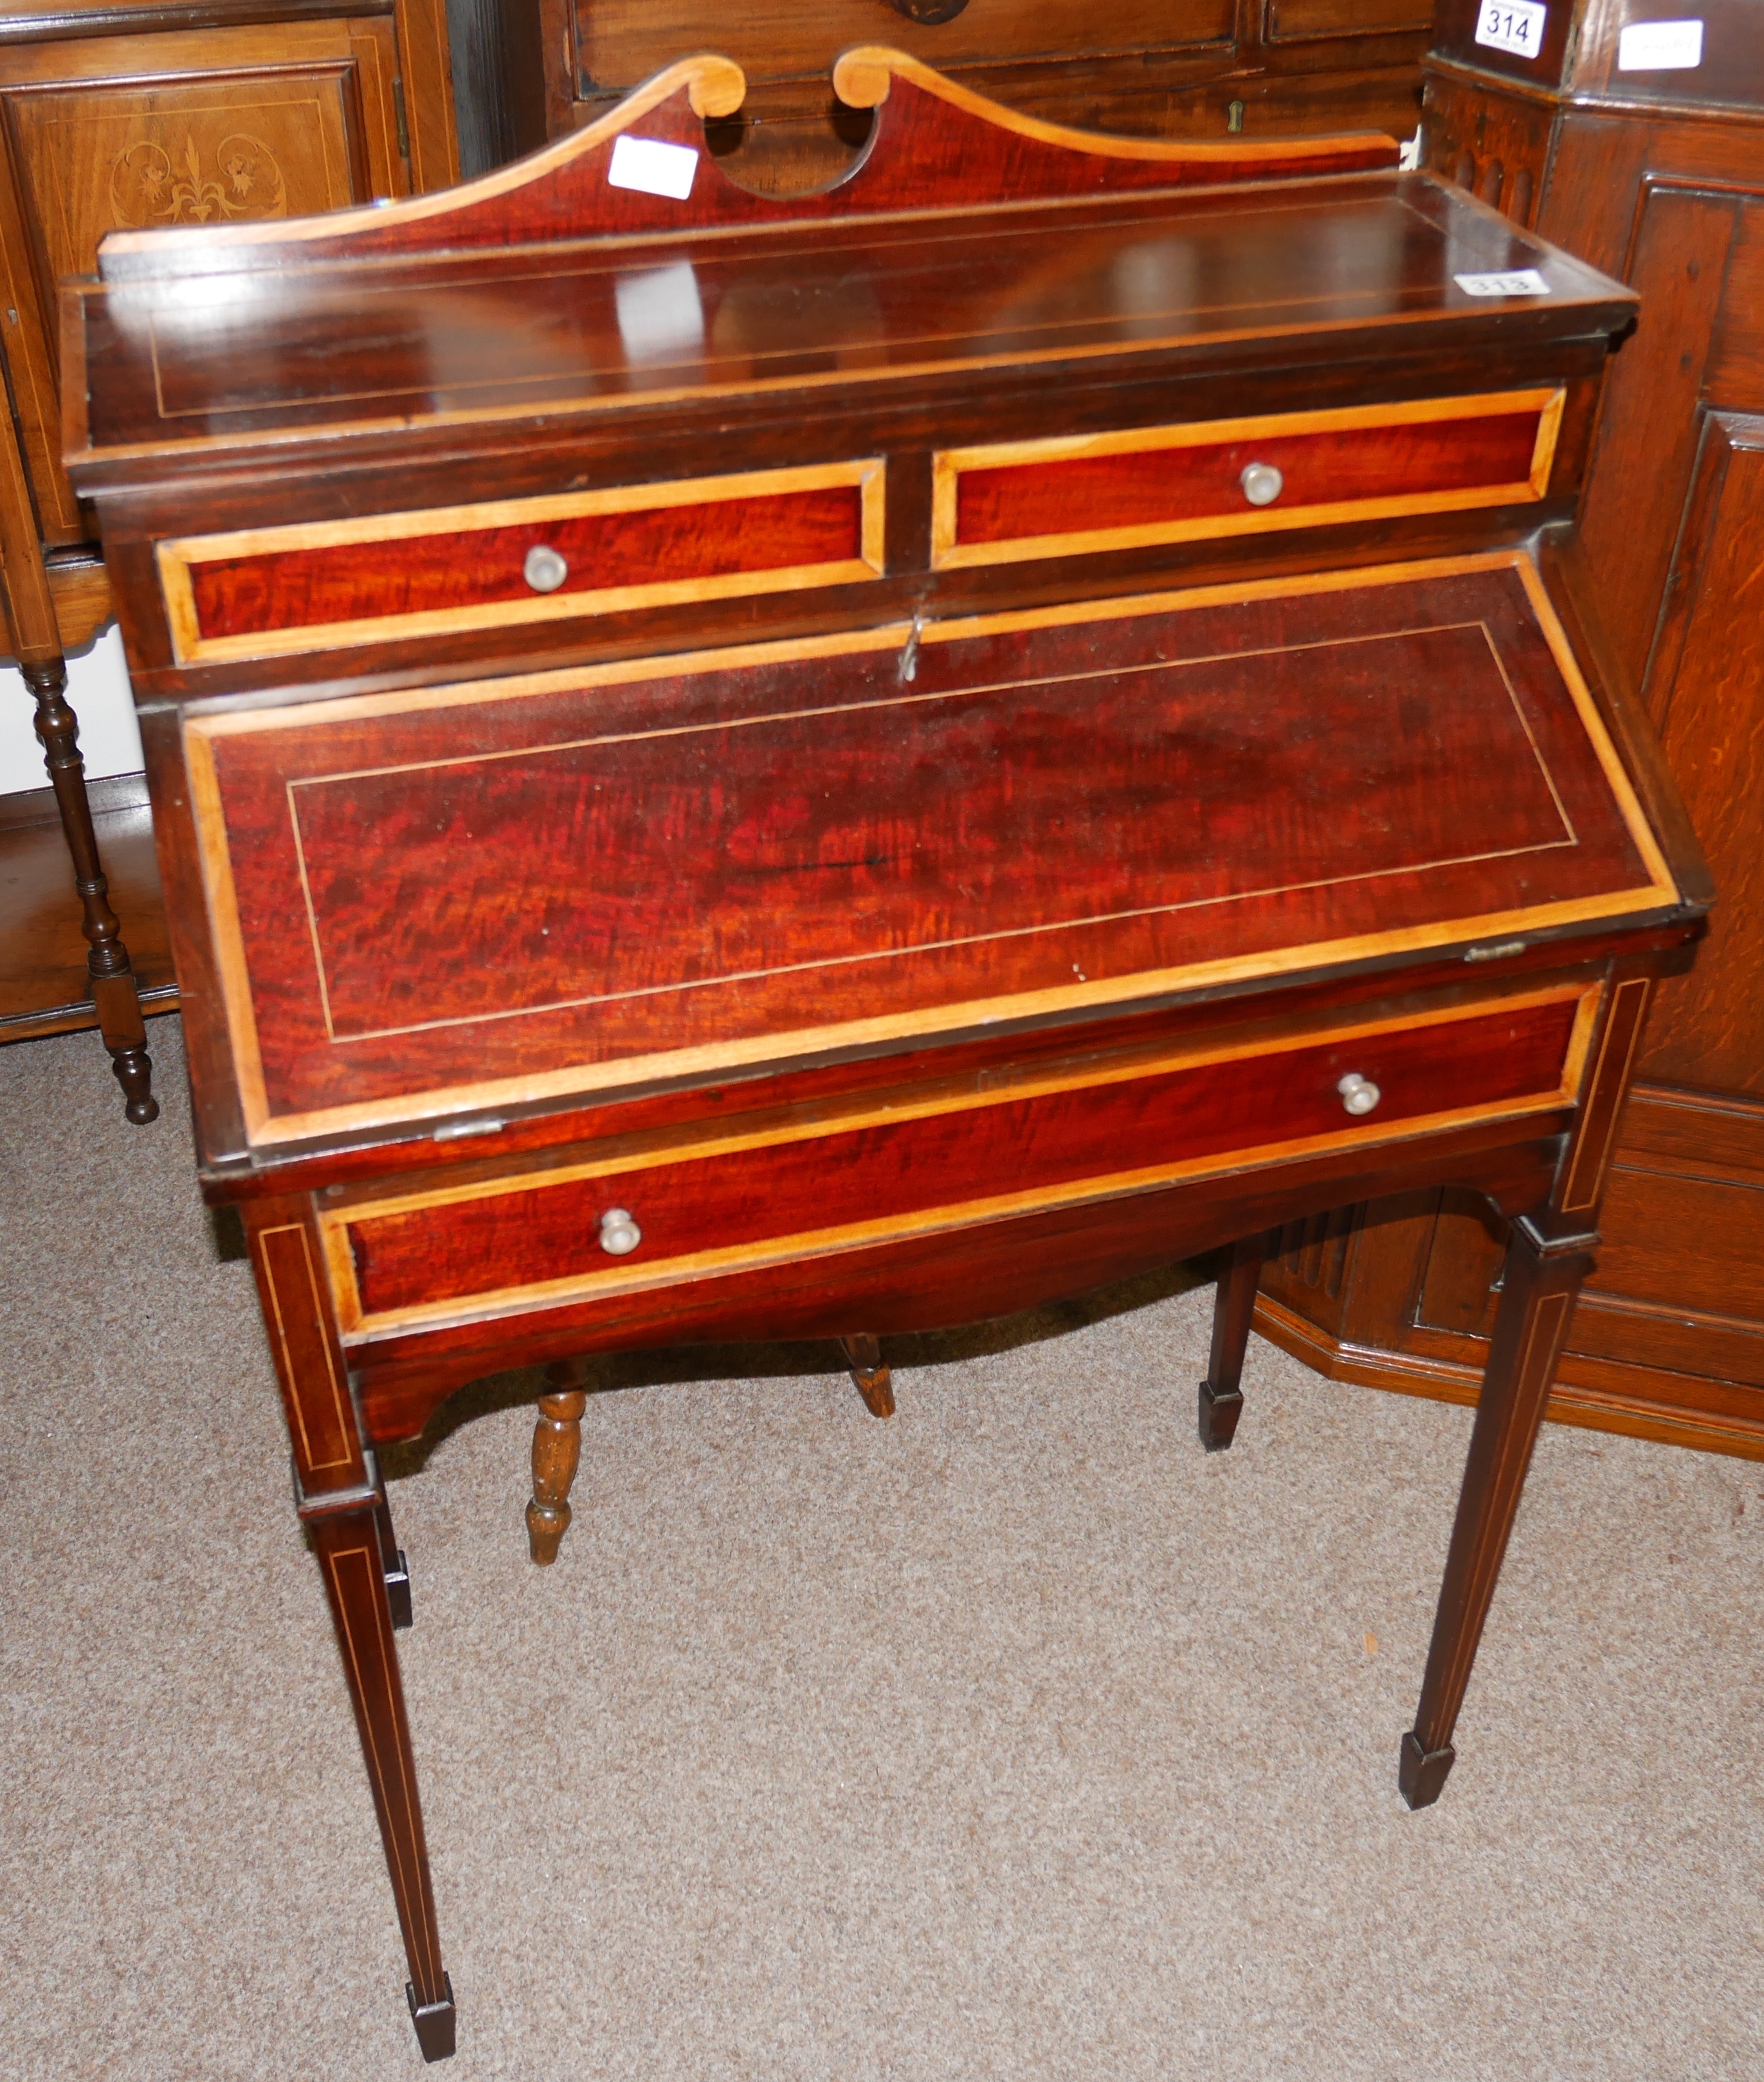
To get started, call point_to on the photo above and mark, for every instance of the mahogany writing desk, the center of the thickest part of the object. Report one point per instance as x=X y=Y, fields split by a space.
x=728 y=767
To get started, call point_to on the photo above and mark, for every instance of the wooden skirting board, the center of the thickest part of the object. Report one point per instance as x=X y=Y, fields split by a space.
x=1598 y=1395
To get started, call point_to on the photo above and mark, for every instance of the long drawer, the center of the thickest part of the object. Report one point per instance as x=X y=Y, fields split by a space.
x=933 y=1159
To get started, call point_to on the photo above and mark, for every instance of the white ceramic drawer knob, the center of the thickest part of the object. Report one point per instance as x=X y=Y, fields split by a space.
x=1359 y=1094
x=619 y=1235
x=1262 y=483
x=545 y=570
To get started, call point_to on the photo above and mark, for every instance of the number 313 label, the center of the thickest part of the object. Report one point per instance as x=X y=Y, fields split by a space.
x=1512 y=25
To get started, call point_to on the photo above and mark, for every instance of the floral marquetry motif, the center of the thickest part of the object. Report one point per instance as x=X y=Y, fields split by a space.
x=149 y=185
x=194 y=130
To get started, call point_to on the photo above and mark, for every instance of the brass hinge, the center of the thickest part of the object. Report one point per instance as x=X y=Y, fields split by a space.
x=403 y=127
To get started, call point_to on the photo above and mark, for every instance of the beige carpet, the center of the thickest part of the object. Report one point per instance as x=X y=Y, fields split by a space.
x=1014 y=1738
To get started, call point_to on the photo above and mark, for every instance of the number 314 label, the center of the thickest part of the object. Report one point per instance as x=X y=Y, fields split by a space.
x=1512 y=25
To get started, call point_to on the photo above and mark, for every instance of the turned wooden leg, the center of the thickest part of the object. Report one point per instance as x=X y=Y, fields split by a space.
x=114 y=991
x=1233 y=1309
x=557 y=1451
x=1543 y=1284
x=875 y=1382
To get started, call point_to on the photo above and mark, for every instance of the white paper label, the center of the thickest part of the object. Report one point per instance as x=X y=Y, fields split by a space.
x=661 y=312
x=1521 y=282
x=1512 y=25
x=647 y=164
x=1659 y=46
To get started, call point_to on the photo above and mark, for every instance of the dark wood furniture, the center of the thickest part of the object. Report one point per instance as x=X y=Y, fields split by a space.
x=45 y=980
x=175 y=111
x=1657 y=177
x=1170 y=67
x=825 y=769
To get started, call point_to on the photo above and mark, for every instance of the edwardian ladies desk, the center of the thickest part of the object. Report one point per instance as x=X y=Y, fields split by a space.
x=731 y=767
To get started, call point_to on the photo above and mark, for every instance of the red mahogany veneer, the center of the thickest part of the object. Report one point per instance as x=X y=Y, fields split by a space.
x=258 y=592
x=1177 y=484
x=728 y=767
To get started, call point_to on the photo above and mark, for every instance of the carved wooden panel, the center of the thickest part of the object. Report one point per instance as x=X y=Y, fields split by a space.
x=196 y=126
x=1496 y=145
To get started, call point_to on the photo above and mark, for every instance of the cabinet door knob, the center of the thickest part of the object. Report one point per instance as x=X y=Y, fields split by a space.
x=545 y=570
x=1262 y=483
x=1359 y=1094
x=619 y=1235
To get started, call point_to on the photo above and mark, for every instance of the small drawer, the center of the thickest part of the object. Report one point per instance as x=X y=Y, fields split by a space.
x=909 y=1163
x=1085 y=493
x=320 y=585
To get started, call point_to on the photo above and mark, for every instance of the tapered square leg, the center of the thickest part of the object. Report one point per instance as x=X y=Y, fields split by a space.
x=434 y=2021
x=1549 y=1256
x=347 y=1545
x=342 y=1502
x=1421 y=1775
x=1219 y=1412
x=1222 y=1394
x=1542 y=1281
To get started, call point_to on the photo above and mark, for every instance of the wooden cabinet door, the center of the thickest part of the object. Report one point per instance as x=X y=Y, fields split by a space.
x=1675 y=516
x=194 y=127
x=1707 y=692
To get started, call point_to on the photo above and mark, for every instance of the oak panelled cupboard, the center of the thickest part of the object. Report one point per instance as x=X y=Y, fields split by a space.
x=1640 y=148
x=731 y=767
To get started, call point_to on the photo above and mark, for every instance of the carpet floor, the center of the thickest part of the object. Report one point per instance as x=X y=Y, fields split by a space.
x=1016 y=1737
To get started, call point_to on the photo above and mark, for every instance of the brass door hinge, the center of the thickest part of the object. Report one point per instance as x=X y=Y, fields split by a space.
x=403 y=127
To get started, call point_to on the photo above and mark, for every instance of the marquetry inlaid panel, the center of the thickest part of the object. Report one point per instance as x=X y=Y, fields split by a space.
x=121 y=154
x=582 y=879
x=191 y=128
